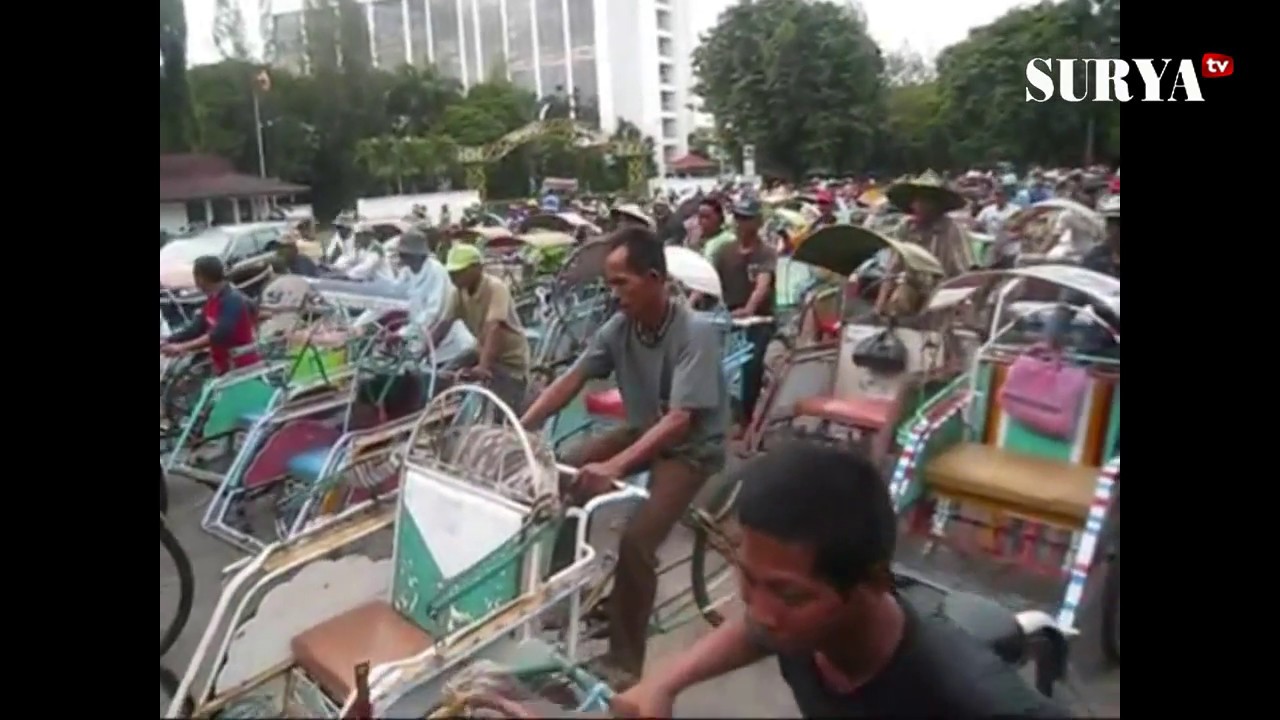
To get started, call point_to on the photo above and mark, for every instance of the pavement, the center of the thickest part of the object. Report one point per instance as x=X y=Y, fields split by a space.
x=755 y=691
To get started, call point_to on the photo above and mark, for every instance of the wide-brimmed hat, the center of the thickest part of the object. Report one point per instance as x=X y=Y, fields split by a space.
x=634 y=212
x=927 y=185
x=413 y=242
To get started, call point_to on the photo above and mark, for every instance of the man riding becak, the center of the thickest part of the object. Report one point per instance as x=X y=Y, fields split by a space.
x=928 y=201
x=483 y=304
x=225 y=325
x=667 y=363
x=746 y=268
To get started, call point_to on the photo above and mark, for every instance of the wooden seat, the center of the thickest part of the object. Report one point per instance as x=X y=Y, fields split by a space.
x=866 y=413
x=373 y=633
x=1050 y=491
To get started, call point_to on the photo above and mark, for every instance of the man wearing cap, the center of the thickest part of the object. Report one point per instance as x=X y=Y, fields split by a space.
x=483 y=304
x=746 y=269
x=826 y=203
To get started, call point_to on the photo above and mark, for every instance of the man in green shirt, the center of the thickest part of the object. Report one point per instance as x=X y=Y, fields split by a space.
x=711 y=224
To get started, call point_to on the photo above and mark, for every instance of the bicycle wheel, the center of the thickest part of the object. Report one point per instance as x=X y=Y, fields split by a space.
x=168 y=688
x=175 y=569
x=714 y=544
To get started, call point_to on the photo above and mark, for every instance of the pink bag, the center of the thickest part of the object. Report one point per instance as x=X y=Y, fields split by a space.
x=1043 y=394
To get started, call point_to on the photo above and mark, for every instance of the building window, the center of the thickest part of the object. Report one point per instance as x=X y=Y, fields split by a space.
x=669 y=151
x=666 y=74
x=290 y=44
x=668 y=129
x=418 y=33
x=491 y=41
x=551 y=57
x=522 y=64
x=474 y=58
x=444 y=34
x=388 y=34
x=664 y=20
x=668 y=101
x=665 y=47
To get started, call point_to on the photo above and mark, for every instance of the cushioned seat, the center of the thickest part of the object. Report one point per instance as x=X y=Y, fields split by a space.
x=307 y=464
x=248 y=419
x=606 y=403
x=828 y=326
x=860 y=412
x=1052 y=491
x=374 y=633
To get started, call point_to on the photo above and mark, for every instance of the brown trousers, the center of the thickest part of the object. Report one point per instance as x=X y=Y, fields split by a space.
x=674 y=482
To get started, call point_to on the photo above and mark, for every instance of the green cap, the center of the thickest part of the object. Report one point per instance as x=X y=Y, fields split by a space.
x=462 y=256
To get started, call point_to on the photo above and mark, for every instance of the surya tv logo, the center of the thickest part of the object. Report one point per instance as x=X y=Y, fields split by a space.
x=1108 y=79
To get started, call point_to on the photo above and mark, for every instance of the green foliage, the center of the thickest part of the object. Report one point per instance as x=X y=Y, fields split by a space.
x=801 y=81
x=177 y=121
x=804 y=84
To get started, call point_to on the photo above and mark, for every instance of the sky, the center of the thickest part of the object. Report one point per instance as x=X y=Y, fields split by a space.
x=927 y=26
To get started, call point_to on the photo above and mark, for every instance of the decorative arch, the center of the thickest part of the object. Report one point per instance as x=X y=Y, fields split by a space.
x=477 y=159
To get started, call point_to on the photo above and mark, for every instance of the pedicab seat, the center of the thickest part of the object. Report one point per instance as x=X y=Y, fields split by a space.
x=307 y=464
x=606 y=403
x=1051 y=491
x=988 y=621
x=828 y=326
x=866 y=413
x=373 y=633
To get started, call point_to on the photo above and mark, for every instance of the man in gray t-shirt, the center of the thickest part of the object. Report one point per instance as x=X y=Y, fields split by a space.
x=667 y=361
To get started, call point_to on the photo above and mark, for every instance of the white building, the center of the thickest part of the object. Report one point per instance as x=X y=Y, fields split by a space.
x=631 y=55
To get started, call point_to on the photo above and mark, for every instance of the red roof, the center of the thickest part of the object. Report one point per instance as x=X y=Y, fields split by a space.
x=198 y=177
x=692 y=161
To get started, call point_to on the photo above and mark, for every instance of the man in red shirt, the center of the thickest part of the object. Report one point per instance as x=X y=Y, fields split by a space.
x=225 y=325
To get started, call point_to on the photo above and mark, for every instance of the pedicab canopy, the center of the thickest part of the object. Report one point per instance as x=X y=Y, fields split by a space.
x=489 y=239
x=689 y=267
x=927 y=185
x=560 y=222
x=1103 y=290
x=842 y=249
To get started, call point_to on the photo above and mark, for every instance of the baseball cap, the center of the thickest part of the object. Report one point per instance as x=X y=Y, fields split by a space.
x=747 y=207
x=462 y=256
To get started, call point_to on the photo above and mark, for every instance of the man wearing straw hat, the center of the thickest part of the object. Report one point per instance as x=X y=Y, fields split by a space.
x=483 y=304
x=927 y=201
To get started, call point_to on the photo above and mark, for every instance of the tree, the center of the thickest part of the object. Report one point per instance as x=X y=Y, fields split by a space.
x=801 y=81
x=981 y=83
x=177 y=118
x=906 y=66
